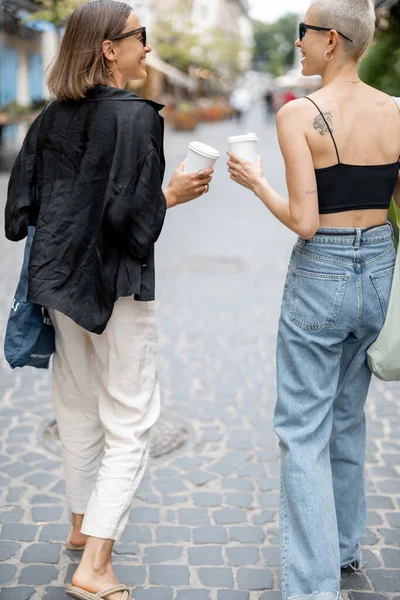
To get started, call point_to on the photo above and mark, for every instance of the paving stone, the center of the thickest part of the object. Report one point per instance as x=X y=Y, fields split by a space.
x=170 y=486
x=252 y=470
x=70 y=572
x=193 y=595
x=38 y=574
x=388 y=486
x=271 y=595
x=16 y=469
x=240 y=500
x=369 y=559
x=47 y=514
x=162 y=554
x=385 y=580
x=210 y=535
x=40 y=480
x=126 y=549
x=354 y=581
x=49 y=465
x=379 y=502
x=44 y=499
x=186 y=463
x=391 y=459
x=255 y=579
x=18 y=593
x=268 y=500
x=216 y=577
x=193 y=516
x=226 y=516
x=232 y=595
x=130 y=575
x=59 y=488
x=373 y=518
x=15 y=494
x=169 y=575
x=14 y=515
x=154 y=593
x=384 y=472
x=391 y=536
x=366 y=596
x=272 y=556
x=8 y=549
x=247 y=535
x=149 y=498
x=393 y=518
x=41 y=553
x=369 y=538
x=54 y=533
x=391 y=558
x=141 y=534
x=19 y=532
x=206 y=555
x=207 y=499
x=7 y=573
x=243 y=555
x=245 y=485
x=267 y=484
x=143 y=514
x=171 y=500
x=199 y=477
x=54 y=593
x=224 y=467
x=33 y=457
x=170 y=534
x=266 y=516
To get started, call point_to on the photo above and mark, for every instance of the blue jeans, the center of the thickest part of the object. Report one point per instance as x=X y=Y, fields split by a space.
x=334 y=305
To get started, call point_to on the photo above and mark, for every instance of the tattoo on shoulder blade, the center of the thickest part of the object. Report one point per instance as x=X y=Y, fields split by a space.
x=320 y=124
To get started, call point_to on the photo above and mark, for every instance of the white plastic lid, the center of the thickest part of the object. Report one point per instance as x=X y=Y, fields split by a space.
x=204 y=150
x=248 y=137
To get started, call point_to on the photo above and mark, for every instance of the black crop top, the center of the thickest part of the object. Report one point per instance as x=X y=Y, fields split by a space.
x=354 y=187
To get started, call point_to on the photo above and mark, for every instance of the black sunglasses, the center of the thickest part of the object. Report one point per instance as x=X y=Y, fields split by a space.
x=303 y=30
x=141 y=33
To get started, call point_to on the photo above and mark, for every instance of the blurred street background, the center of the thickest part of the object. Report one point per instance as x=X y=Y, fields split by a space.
x=204 y=525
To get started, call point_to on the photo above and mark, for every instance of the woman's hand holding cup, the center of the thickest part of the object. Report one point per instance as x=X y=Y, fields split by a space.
x=184 y=187
x=248 y=174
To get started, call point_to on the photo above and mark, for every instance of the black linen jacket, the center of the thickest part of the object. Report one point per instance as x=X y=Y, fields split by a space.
x=96 y=168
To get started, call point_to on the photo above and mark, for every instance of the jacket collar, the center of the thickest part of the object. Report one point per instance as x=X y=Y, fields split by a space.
x=104 y=92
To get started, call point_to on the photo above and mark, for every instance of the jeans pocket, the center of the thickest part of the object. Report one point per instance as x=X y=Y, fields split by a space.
x=382 y=282
x=316 y=299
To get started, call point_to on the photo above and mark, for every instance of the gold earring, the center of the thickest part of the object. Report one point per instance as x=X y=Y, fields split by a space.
x=331 y=58
x=109 y=72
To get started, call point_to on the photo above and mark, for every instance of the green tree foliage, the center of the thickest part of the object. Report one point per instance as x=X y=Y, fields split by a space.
x=274 y=44
x=381 y=66
x=55 y=11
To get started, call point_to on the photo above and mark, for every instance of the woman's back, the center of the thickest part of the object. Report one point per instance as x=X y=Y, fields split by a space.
x=365 y=126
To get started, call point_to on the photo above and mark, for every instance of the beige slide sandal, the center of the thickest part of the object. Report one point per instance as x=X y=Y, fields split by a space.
x=70 y=546
x=80 y=594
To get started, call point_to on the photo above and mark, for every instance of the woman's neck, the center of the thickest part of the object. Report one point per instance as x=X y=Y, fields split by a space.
x=344 y=73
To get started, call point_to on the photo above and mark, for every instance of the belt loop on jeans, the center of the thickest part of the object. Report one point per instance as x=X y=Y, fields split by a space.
x=358 y=238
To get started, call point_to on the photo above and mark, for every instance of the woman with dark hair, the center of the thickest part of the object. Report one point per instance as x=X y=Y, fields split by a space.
x=89 y=175
x=341 y=148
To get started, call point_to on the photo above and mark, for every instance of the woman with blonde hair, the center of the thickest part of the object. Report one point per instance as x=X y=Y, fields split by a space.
x=89 y=176
x=341 y=148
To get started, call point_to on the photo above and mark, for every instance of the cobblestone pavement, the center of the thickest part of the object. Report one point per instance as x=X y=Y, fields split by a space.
x=204 y=525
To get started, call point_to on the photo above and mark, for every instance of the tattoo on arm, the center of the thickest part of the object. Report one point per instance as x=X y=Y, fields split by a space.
x=311 y=192
x=321 y=124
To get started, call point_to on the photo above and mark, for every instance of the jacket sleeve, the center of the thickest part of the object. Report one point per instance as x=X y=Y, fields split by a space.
x=135 y=217
x=20 y=207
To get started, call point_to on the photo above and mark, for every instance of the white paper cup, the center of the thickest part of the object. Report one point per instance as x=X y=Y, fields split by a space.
x=244 y=146
x=200 y=157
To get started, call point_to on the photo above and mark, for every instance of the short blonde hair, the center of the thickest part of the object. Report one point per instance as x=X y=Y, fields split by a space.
x=354 y=18
x=80 y=63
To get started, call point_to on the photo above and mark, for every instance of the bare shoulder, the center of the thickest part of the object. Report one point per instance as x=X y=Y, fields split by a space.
x=294 y=112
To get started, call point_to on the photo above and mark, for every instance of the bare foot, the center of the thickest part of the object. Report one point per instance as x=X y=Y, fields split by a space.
x=97 y=583
x=76 y=538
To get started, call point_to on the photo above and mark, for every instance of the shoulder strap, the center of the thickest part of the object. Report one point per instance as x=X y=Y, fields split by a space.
x=327 y=124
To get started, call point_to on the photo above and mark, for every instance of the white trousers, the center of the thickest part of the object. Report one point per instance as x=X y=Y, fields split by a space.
x=106 y=399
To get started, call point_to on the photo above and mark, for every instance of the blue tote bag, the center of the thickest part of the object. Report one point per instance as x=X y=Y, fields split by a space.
x=30 y=339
